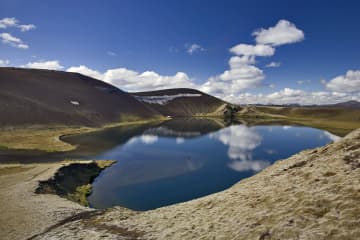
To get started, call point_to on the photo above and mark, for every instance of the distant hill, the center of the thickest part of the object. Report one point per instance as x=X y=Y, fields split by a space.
x=32 y=96
x=348 y=104
x=182 y=102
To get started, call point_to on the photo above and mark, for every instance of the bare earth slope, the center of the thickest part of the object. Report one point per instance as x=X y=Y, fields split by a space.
x=32 y=96
x=314 y=194
x=181 y=102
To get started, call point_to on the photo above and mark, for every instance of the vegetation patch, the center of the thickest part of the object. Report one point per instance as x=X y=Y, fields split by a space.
x=73 y=181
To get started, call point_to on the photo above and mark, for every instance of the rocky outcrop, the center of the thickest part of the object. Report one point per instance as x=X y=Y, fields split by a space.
x=314 y=194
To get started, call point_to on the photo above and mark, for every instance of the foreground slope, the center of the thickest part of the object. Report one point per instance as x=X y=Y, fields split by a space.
x=182 y=102
x=32 y=96
x=314 y=194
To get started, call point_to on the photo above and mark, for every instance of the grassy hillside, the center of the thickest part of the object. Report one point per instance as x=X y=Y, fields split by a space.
x=43 y=97
x=334 y=119
x=182 y=102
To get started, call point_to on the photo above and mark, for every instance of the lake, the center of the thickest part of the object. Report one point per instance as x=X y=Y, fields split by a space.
x=180 y=161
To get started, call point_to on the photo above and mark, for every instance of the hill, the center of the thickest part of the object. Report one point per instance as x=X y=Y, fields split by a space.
x=33 y=96
x=348 y=104
x=338 y=120
x=182 y=102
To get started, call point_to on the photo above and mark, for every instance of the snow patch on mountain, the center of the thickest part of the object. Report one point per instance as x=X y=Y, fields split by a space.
x=164 y=99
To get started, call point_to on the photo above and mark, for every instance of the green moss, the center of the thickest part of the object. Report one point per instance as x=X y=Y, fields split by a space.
x=80 y=195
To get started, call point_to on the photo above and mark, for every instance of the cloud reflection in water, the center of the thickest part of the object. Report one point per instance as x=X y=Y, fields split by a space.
x=242 y=141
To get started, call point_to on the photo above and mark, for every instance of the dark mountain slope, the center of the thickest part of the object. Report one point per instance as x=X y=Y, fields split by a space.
x=31 y=96
x=182 y=102
x=348 y=104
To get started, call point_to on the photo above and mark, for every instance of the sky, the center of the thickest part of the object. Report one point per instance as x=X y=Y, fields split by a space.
x=246 y=51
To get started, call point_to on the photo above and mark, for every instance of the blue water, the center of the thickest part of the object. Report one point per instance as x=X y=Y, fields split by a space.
x=162 y=166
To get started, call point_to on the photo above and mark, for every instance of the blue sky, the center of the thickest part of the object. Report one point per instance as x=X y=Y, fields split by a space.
x=156 y=37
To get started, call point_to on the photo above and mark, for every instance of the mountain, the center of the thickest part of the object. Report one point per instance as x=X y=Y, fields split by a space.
x=182 y=102
x=32 y=96
x=348 y=104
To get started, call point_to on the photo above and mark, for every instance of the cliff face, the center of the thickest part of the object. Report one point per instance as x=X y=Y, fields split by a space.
x=314 y=194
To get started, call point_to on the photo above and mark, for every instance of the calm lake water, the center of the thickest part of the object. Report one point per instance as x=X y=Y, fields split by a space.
x=179 y=161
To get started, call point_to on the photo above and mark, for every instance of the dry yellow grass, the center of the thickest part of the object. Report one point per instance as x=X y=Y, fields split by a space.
x=339 y=121
x=47 y=138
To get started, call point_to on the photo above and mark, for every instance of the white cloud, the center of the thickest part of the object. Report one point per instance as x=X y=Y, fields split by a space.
x=110 y=53
x=348 y=83
x=51 y=65
x=284 y=32
x=130 y=80
x=4 y=63
x=301 y=82
x=288 y=96
x=26 y=27
x=273 y=65
x=192 y=48
x=86 y=71
x=243 y=74
x=8 y=39
x=13 y=22
x=236 y=61
x=8 y=22
x=252 y=50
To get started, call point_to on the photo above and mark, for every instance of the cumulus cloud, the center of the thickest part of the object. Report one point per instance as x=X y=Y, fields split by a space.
x=86 y=71
x=289 y=96
x=10 y=40
x=51 y=65
x=4 y=63
x=26 y=27
x=8 y=22
x=131 y=80
x=192 y=48
x=243 y=72
x=241 y=75
x=253 y=50
x=273 y=65
x=348 y=83
x=284 y=32
x=13 y=22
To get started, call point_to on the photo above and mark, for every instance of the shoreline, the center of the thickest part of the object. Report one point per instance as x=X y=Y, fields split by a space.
x=313 y=193
x=25 y=213
x=48 y=138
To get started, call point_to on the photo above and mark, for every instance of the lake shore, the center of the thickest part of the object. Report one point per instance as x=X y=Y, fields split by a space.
x=311 y=195
x=48 y=137
x=25 y=213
